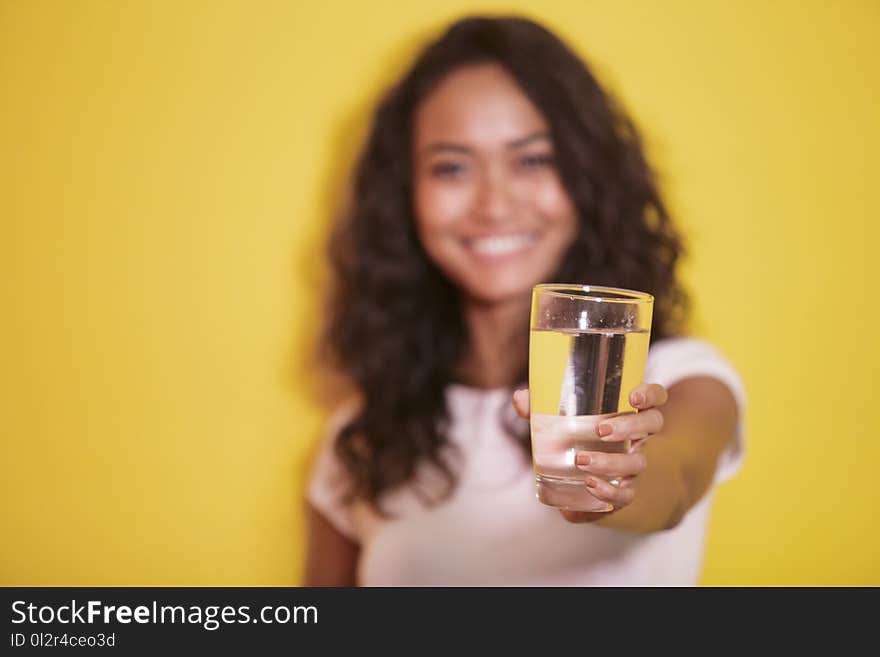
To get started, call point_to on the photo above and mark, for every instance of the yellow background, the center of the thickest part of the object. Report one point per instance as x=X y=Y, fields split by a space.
x=167 y=170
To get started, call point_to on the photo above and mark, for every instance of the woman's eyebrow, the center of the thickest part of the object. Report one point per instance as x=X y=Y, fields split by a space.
x=528 y=139
x=446 y=146
x=441 y=146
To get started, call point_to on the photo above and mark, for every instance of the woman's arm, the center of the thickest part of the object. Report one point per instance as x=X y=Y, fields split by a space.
x=699 y=421
x=331 y=557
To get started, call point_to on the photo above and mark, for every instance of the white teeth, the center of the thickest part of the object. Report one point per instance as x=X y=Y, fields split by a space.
x=501 y=244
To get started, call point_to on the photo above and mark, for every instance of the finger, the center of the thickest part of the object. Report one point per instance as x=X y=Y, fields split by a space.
x=618 y=496
x=636 y=444
x=521 y=402
x=630 y=425
x=611 y=465
x=648 y=395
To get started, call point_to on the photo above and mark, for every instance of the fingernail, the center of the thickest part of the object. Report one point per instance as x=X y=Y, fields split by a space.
x=582 y=461
x=592 y=482
x=606 y=508
x=638 y=398
x=604 y=430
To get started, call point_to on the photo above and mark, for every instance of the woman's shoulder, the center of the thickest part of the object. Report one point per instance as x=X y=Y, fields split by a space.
x=329 y=480
x=684 y=347
x=675 y=358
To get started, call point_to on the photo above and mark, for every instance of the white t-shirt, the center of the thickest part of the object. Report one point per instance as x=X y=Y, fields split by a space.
x=493 y=532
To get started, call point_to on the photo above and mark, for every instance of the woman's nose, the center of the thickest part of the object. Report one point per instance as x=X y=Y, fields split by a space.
x=494 y=201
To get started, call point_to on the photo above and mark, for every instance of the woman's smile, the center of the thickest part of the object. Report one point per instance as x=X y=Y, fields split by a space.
x=501 y=246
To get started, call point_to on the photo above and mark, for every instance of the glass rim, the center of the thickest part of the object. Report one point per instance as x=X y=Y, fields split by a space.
x=627 y=296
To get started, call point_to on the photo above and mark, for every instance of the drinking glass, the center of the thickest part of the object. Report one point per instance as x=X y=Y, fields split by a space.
x=587 y=351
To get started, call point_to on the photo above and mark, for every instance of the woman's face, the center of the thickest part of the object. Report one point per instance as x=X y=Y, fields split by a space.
x=490 y=208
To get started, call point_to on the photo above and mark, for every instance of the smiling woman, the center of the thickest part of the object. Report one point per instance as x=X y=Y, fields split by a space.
x=490 y=207
x=497 y=163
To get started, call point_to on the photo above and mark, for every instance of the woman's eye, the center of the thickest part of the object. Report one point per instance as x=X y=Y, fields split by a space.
x=535 y=161
x=446 y=169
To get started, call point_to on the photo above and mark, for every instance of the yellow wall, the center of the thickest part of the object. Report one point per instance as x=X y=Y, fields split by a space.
x=166 y=173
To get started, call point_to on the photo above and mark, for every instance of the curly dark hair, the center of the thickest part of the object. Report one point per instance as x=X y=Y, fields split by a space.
x=394 y=322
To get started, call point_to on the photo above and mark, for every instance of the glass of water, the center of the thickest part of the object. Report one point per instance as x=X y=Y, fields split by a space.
x=587 y=351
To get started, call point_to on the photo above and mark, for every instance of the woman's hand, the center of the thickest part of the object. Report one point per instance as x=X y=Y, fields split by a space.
x=621 y=468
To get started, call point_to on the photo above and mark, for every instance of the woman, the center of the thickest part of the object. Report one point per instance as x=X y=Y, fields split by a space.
x=497 y=163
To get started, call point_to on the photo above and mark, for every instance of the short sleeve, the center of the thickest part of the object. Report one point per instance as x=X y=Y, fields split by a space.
x=329 y=479
x=674 y=359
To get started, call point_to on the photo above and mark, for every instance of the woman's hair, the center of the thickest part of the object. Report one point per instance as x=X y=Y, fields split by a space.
x=394 y=322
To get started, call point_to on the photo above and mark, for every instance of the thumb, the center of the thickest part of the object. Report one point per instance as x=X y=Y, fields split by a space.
x=521 y=402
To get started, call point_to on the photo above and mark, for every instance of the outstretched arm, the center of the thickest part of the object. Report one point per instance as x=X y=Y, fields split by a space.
x=667 y=474
x=700 y=419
